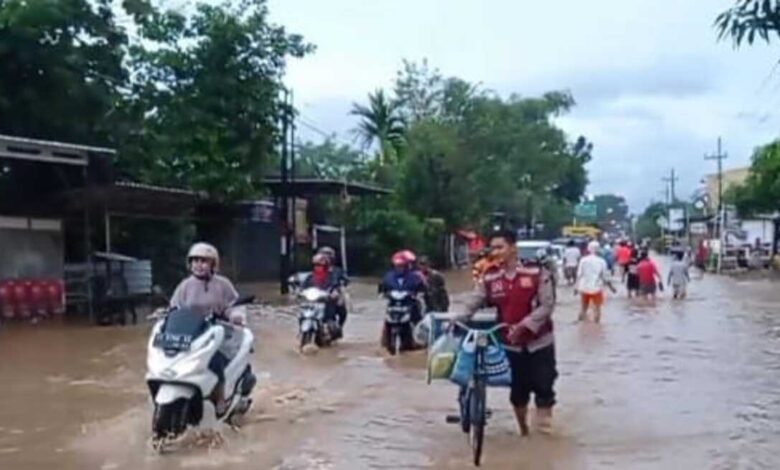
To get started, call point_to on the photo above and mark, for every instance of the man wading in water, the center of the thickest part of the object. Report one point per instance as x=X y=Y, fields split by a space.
x=524 y=299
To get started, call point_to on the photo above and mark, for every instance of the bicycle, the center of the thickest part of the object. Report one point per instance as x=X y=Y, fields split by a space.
x=472 y=398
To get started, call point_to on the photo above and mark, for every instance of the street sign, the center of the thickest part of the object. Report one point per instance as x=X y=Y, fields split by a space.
x=699 y=228
x=676 y=219
x=586 y=210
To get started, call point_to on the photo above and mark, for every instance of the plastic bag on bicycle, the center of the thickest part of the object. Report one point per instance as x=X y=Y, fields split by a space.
x=498 y=372
x=442 y=356
x=465 y=362
x=496 y=367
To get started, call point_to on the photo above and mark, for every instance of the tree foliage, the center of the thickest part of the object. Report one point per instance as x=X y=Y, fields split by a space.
x=188 y=99
x=647 y=223
x=419 y=90
x=748 y=20
x=380 y=127
x=62 y=69
x=330 y=160
x=611 y=211
x=761 y=191
x=474 y=153
x=210 y=88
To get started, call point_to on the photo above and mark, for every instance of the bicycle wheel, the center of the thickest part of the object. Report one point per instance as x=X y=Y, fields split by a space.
x=478 y=419
x=464 y=402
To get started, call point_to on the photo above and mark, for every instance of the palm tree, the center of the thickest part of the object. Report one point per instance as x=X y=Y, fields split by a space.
x=381 y=125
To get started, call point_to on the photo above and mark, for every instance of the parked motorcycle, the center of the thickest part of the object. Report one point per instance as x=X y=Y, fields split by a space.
x=181 y=345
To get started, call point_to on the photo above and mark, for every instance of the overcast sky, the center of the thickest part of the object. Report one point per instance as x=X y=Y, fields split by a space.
x=654 y=88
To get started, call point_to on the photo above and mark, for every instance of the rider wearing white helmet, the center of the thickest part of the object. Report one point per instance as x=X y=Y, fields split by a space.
x=204 y=291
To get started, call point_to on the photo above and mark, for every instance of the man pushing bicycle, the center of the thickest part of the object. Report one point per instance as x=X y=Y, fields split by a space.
x=524 y=299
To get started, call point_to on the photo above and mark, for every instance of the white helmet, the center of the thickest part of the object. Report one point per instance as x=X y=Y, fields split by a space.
x=328 y=251
x=204 y=250
x=594 y=247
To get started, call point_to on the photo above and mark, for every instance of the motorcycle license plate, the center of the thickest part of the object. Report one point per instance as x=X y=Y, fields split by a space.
x=173 y=342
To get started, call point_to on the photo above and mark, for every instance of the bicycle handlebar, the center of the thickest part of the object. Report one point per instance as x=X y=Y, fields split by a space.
x=488 y=330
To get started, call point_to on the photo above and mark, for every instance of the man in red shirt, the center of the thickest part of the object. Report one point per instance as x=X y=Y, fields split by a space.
x=623 y=255
x=648 y=273
x=525 y=299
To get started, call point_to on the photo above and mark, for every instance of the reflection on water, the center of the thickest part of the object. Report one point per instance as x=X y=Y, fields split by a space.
x=690 y=384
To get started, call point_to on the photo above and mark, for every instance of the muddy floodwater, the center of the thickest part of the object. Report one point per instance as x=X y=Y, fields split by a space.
x=689 y=385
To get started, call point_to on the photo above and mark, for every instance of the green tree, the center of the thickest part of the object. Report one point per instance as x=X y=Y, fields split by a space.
x=748 y=20
x=761 y=191
x=208 y=87
x=487 y=154
x=573 y=177
x=62 y=69
x=431 y=185
x=381 y=126
x=647 y=225
x=418 y=91
x=330 y=160
x=611 y=211
x=458 y=97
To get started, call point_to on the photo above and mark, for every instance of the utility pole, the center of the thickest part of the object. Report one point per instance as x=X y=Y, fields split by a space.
x=719 y=157
x=670 y=196
x=292 y=241
x=284 y=212
x=671 y=180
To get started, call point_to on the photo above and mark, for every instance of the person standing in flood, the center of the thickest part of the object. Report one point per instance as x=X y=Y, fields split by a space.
x=592 y=277
x=436 y=297
x=679 y=276
x=647 y=272
x=631 y=276
x=623 y=257
x=524 y=298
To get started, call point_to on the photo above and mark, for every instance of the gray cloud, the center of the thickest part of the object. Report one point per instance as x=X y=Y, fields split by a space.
x=677 y=77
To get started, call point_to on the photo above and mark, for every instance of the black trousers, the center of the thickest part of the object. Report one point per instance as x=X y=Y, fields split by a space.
x=533 y=372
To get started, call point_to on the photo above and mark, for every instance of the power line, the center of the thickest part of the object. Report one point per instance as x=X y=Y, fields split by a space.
x=762 y=110
x=309 y=124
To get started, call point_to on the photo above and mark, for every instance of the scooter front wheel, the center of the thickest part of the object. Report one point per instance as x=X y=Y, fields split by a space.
x=307 y=338
x=170 y=420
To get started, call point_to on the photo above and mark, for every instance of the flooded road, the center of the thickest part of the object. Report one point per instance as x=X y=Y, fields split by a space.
x=692 y=384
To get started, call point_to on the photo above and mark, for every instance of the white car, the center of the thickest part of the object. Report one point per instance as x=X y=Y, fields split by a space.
x=527 y=250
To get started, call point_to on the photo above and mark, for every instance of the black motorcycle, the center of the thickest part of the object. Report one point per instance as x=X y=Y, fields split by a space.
x=399 y=320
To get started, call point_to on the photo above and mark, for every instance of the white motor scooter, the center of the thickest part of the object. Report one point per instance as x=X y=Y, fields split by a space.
x=181 y=346
x=313 y=329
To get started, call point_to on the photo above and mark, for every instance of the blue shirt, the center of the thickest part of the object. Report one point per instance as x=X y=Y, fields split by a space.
x=404 y=281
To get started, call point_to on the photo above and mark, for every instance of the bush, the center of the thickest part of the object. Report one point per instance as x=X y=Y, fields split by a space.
x=377 y=233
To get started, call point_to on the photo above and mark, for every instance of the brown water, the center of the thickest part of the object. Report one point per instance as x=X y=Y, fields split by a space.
x=690 y=384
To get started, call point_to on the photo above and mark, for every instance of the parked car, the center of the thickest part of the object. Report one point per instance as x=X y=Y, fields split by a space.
x=527 y=250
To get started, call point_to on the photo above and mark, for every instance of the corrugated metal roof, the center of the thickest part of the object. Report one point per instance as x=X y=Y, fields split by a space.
x=52 y=143
x=323 y=186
